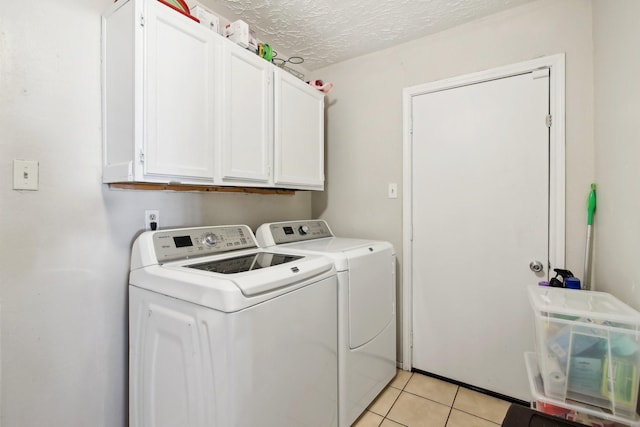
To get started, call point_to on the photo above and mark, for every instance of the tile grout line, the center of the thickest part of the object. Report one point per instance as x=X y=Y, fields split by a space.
x=451 y=407
x=429 y=399
x=471 y=413
x=395 y=400
x=476 y=416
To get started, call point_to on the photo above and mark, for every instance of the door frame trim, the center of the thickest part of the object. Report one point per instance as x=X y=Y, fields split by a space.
x=556 y=66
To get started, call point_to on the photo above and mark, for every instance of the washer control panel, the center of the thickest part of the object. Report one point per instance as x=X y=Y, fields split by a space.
x=185 y=243
x=297 y=231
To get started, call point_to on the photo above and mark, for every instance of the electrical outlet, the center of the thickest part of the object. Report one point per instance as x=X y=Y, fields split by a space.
x=151 y=219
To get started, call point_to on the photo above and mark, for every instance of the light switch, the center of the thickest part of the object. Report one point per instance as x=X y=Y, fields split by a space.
x=393 y=190
x=25 y=175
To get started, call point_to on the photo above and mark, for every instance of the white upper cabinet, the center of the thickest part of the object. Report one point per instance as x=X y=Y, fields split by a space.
x=159 y=71
x=299 y=134
x=247 y=99
x=181 y=104
x=178 y=95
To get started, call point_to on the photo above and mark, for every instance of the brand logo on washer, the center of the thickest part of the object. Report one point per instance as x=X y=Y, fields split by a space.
x=295 y=269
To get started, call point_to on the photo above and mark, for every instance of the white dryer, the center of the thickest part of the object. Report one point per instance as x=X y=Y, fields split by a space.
x=366 y=306
x=223 y=333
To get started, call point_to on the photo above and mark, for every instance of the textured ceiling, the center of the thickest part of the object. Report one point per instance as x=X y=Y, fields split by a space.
x=325 y=32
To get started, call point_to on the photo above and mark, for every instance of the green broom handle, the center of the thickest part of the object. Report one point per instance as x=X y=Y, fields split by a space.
x=591 y=206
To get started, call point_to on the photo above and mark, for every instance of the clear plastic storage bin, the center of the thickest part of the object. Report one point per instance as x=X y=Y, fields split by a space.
x=588 y=348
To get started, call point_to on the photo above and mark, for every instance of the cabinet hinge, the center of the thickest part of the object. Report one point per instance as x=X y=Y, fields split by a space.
x=141 y=156
x=411 y=339
x=142 y=20
x=549 y=120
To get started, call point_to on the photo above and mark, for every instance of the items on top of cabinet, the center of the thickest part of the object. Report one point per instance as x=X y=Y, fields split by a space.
x=265 y=52
x=239 y=33
x=180 y=6
x=295 y=60
x=206 y=17
x=321 y=86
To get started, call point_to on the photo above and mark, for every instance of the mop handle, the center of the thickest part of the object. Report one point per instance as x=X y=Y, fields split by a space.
x=591 y=205
x=591 y=209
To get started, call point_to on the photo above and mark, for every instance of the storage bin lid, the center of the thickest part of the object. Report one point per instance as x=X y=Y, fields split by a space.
x=582 y=304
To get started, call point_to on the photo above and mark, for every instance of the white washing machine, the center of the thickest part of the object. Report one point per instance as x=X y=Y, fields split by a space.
x=366 y=306
x=223 y=333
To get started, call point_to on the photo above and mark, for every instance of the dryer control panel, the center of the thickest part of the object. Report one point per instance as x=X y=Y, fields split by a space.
x=294 y=231
x=185 y=243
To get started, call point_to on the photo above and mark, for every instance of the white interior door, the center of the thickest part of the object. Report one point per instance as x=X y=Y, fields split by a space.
x=480 y=215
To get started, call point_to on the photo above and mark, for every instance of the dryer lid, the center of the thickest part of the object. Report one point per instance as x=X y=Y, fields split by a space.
x=331 y=245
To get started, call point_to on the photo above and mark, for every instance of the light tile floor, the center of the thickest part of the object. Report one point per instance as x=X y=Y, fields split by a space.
x=415 y=400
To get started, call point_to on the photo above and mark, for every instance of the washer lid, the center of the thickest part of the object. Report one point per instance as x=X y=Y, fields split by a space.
x=219 y=267
x=242 y=263
x=229 y=292
x=285 y=275
x=258 y=271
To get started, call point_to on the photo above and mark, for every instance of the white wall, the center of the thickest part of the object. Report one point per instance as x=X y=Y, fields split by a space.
x=617 y=136
x=364 y=113
x=64 y=250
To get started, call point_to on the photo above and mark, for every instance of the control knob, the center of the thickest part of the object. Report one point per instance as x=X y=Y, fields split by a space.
x=210 y=239
x=304 y=229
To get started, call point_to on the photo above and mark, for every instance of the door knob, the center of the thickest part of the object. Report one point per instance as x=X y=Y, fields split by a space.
x=536 y=266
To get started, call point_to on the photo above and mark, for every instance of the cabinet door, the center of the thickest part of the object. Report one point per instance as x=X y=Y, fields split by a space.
x=179 y=66
x=299 y=134
x=247 y=116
